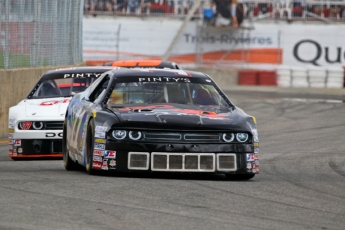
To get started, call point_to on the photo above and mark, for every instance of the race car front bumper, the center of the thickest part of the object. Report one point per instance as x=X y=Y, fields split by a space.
x=35 y=148
x=205 y=158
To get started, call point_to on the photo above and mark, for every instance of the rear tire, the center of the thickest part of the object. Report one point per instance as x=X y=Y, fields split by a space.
x=239 y=177
x=69 y=164
x=89 y=148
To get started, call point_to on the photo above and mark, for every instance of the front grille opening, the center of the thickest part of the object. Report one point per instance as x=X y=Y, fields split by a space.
x=226 y=162
x=162 y=136
x=175 y=162
x=206 y=162
x=160 y=162
x=54 y=125
x=57 y=146
x=138 y=161
x=202 y=137
x=191 y=162
x=183 y=162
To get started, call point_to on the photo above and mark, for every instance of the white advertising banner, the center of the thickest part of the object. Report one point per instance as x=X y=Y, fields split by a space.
x=103 y=37
x=301 y=44
x=319 y=45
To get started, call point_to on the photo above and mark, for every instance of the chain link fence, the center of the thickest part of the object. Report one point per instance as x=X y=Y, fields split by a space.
x=36 y=33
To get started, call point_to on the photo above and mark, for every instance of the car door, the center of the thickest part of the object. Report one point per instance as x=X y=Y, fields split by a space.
x=82 y=108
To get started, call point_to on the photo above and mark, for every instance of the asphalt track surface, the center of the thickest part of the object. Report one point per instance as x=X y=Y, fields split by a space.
x=301 y=184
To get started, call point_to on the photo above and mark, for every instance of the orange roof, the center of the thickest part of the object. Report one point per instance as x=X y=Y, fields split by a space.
x=138 y=63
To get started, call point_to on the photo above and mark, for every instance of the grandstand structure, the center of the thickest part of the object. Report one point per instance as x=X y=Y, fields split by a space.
x=307 y=10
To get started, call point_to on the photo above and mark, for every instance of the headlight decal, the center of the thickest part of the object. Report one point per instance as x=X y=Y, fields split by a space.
x=119 y=134
x=242 y=137
x=135 y=135
x=25 y=125
x=37 y=125
x=228 y=137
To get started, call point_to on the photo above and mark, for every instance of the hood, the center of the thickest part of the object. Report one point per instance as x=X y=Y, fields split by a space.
x=182 y=116
x=52 y=107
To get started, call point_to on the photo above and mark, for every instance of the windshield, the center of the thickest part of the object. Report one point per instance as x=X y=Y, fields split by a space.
x=166 y=92
x=60 y=87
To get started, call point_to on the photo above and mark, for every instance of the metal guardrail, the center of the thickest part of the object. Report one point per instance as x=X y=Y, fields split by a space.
x=35 y=33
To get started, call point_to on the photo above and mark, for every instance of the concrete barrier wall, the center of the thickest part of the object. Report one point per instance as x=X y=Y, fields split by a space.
x=15 y=85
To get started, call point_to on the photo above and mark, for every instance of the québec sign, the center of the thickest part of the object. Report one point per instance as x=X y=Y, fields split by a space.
x=321 y=53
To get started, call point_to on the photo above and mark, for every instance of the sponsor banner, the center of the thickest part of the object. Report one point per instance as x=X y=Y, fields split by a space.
x=255 y=168
x=54 y=102
x=11 y=122
x=97 y=159
x=97 y=152
x=268 y=43
x=110 y=154
x=316 y=45
x=100 y=134
x=17 y=142
x=96 y=165
x=97 y=140
x=99 y=34
x=256 y=162
x=99 y=146
x=112 y=163
x=250 y=157
x=105 y=165
x=101 y=128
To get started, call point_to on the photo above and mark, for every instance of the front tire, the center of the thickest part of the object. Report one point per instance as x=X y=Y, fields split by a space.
x=69 y=164
x=89 y=148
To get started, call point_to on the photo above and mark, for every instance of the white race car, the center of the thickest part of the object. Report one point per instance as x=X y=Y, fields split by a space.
x=35 y=124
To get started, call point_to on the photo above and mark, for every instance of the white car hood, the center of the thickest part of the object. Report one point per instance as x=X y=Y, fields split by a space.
x=48 y=107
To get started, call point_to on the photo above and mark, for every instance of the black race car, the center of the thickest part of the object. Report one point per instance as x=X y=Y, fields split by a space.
x=159 y=120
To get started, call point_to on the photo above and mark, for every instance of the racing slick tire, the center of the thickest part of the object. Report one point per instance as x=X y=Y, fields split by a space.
x=89 y=148
x=238 y=177
x=69 y=164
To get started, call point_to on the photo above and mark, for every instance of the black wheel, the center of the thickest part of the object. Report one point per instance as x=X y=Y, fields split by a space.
x=239 y=177
x=67 y=162
x=89 y=148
